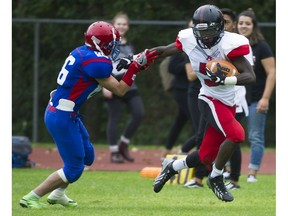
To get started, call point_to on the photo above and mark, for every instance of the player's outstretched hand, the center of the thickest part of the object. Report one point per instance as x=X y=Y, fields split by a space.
x=142 y=61
x=218 y=76
x=145 y=59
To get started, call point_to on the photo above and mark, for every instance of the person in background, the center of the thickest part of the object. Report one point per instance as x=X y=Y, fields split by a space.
x=207 y=40
x=179 y=92
x=86 y=69
x=258 y=94
x=233 y=167
x=118 y=144
x=198 y=125
x=179 y=89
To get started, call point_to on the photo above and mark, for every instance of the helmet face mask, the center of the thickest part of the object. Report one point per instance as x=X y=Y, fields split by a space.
x=205 y=32
x=113 y=48
x=208 y=26
x=103 y=37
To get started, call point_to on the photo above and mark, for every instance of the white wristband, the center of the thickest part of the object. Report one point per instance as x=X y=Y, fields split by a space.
x=230 y=80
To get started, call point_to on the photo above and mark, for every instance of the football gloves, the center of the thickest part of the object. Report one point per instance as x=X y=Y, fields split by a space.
x=218 y=76
x=143 y=60
x=124 y=63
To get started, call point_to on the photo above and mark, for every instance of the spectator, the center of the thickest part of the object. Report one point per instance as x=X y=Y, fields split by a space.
x=179 y=89
x=258 y=94
x=233 y=167
x=118 y=144
x=198 y=125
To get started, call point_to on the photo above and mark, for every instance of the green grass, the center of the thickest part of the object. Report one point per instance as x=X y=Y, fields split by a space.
x=127 y=193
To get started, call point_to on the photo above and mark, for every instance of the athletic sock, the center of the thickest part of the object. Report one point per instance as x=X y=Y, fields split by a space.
x=124 y=139
x=57 y=193
x=216 y=172
x=114 y=148
x=32 y=195
x=179 y=164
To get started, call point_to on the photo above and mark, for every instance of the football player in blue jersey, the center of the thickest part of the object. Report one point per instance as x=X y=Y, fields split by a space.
x=85 y=71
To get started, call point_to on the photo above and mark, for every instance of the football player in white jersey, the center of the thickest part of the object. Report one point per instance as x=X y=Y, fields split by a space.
x=205 y=41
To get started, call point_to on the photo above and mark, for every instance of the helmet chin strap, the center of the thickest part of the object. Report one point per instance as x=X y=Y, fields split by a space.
x=96 y=41
x=114 y=35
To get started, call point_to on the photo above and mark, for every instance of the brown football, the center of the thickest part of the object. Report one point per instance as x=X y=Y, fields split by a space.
x=227 y=67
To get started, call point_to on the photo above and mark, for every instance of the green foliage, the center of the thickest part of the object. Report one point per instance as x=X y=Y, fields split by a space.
x=127 y=193
x=57 y=40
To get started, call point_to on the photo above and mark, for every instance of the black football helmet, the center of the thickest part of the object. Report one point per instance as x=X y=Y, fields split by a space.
x=208 y=26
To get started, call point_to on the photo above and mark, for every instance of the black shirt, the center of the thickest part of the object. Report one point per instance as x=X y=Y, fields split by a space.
x=255 y=91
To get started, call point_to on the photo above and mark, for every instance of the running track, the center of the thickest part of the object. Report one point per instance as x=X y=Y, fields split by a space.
x=49 y=158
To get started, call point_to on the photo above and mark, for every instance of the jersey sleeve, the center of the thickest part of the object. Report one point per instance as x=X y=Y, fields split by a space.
x=185 y=40
x=98 y=68
x=178 y=44
x=236 y=45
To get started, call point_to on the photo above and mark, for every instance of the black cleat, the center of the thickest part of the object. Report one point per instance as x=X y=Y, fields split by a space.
x=166 y=173
x=217 y=186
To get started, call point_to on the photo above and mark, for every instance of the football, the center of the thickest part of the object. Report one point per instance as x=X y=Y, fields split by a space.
x=227 y=67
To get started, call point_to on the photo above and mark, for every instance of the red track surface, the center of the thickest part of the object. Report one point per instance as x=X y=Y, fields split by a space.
x=50 y=159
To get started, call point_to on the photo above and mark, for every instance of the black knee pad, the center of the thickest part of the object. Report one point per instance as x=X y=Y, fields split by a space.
x=193 y=159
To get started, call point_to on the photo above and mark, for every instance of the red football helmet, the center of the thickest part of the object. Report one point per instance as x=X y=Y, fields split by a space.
x=104 y=37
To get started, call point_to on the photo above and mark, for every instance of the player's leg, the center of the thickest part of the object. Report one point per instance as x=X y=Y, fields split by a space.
x=235 y=162
x=60 y=126
x=87 y=145
x=73 y=149
x=226 y=132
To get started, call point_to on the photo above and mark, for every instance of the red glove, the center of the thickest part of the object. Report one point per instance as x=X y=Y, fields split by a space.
x=146 y=58
x=142 y=61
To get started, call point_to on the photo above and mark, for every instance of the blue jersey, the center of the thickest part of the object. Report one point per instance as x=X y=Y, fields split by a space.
x=76 y=80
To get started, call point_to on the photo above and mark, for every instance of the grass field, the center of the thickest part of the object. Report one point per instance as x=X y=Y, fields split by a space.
x=127 y=193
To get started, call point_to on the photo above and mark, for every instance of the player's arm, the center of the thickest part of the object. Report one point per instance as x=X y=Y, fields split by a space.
x=163 y=51
x=113 y=85
x=245 y=69
x=144 y=59
x=159 y=52
x=246 y=73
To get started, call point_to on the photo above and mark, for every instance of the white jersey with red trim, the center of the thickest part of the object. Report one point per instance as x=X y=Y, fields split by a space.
x=230 y=46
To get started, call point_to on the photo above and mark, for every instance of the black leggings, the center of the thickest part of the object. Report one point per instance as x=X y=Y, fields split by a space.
x=182 y=117
x=115 y=105
x=198 y=127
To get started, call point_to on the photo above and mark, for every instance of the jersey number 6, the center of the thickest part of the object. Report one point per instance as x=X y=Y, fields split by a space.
x=64 y=72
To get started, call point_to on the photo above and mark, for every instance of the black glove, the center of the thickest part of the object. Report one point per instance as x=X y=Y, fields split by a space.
x=124 y=63
x=218 y=76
